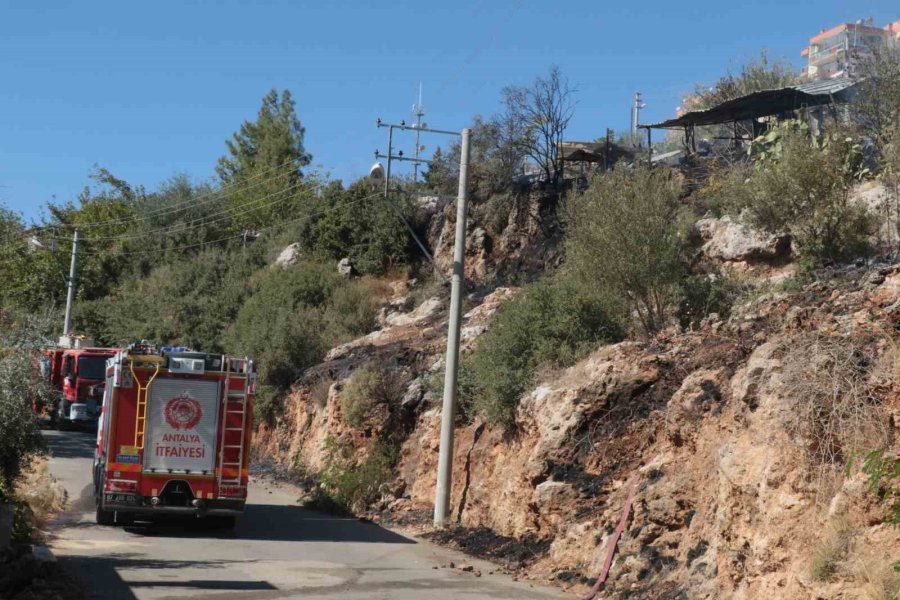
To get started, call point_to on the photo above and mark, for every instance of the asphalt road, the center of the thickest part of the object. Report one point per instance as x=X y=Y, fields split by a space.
x=277 y=550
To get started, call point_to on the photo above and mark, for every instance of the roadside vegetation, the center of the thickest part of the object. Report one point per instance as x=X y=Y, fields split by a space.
x=26 y=487
x=20 y=385
x=553 y=323
x=802 y=186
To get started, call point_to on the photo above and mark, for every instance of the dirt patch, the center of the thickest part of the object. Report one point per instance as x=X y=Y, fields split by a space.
x=485 y=543
x=414 y=519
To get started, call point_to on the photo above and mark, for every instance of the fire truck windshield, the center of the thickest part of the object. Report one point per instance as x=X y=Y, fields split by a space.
x=91 y=367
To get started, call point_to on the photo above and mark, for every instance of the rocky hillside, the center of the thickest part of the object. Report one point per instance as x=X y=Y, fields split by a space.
x=732 y=435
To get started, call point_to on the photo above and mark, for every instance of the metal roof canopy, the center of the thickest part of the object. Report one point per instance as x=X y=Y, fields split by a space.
x=591 y=152
x=765 y=103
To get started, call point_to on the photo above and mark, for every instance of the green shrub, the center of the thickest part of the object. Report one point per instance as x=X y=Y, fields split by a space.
x=890 y=176
x=877 y=106
x=623 y=238
x=351 y=310
x=550 y=323
x=357 y=397
x=755 y=75
x=283 y=342
x=884 y=481
x=20 y=383
x=189 y=301
x=369 y=387
x=702 y=295
x=294 y=316
x=23 y=523
x=357 y=223
x=356 y=486
x=266 y=404
x=803 y=188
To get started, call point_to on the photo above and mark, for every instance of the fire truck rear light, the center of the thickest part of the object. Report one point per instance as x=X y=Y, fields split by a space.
x=232 y=491
x=121 y=485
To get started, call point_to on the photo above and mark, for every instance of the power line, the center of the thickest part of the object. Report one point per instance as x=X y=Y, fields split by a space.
x=221 y=216
x=179 y=206
x=234 y=236
x=415 y=237
x=492 y=35
x=177 y=228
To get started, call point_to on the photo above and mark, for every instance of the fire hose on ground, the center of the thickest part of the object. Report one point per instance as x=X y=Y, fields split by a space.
x=611 y=549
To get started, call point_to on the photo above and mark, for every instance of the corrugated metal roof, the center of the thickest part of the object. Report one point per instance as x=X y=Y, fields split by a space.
x=765 y=103
x=825 y=86
x=591 y=151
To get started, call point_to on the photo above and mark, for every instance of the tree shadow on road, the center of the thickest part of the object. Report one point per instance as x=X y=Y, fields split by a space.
x=272 y=522
x=71 y=444
x=101 y=575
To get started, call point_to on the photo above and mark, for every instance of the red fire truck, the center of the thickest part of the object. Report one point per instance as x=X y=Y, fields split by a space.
x=174 y=435
x=75 y=371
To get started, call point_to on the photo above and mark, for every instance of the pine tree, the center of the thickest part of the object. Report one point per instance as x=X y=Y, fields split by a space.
x=261 y=171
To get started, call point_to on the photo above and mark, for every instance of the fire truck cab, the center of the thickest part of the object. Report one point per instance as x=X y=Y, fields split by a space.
x=174 y=435
x=75 y=371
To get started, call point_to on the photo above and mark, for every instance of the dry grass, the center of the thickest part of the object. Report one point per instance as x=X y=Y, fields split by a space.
x=379 y=288
x=320 y=390
x=878 y=578
x=837 y=411
x=833 y=548
x=43 y=494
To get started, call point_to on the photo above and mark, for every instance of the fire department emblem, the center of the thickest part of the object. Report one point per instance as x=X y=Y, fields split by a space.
x=183 y=412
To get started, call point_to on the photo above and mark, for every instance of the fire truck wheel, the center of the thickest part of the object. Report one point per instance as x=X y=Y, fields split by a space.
x=105 y=517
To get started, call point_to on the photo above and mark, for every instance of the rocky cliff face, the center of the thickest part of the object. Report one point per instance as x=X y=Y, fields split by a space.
x=511 y=238
x=733 y=497
x=728 y=503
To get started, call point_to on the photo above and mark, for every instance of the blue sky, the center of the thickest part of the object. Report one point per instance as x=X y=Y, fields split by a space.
x=151 y=89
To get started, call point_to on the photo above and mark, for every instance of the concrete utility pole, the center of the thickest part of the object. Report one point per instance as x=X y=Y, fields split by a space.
x=636 y=117
x=448 y=410
x=418 y=112
x=70 y=298
x=457 y=288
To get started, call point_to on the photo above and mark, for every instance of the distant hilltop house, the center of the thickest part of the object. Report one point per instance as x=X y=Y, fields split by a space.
x=836 y=52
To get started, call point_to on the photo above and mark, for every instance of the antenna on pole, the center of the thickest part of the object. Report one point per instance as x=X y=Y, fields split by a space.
x=418 y=111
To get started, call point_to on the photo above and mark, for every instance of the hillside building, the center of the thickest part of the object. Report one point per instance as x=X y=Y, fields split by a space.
x=836 y=52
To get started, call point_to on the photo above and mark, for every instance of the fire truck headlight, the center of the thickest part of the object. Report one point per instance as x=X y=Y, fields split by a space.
x=196 y=503
x=154 y=500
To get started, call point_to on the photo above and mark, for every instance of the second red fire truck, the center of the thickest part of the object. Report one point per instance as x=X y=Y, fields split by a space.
x=174 y=435
x=75 y=372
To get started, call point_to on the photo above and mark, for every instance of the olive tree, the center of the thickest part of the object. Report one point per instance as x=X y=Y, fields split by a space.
x=622 y=238
x=804 y=189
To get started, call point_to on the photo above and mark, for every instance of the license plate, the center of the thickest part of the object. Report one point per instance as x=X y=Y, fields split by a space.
x=129 y=499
